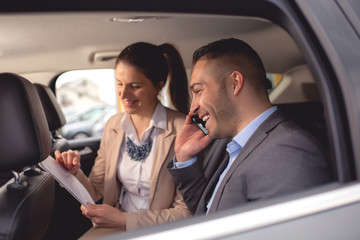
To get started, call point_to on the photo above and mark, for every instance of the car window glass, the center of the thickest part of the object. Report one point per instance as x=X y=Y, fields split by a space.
x=88 y=98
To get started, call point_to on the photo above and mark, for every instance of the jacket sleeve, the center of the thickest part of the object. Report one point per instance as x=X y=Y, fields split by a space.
x=95 y=182
x=191 y=183
x=177 y=211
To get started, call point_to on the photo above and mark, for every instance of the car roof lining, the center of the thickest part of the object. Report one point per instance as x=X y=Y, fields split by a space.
x=72 y=38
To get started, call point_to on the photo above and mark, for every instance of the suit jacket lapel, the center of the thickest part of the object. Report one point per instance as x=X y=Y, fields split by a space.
x=255 y=140
x=248 y=148
x=163 y=144
x=201 y=209
x=112 y=189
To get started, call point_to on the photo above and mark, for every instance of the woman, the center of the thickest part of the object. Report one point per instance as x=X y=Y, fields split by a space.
x=130 y=173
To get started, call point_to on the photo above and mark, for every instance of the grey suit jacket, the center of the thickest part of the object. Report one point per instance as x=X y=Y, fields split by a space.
x=278 y=159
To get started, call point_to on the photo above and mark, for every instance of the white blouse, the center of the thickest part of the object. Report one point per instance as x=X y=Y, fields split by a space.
x=135 y=175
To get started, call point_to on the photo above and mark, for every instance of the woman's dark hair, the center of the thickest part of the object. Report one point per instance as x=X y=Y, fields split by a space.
x=159 y=63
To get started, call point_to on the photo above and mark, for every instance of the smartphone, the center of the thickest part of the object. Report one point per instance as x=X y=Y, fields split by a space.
x=200 y=123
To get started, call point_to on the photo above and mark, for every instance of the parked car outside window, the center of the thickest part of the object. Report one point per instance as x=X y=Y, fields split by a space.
x=81 y=123
x=86 y=97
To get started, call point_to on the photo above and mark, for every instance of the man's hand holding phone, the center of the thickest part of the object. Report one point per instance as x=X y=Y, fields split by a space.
x=191 y=139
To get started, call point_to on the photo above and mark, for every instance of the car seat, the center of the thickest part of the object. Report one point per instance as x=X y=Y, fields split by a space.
x=26 y=203
x=54 y=115
x=66 y=212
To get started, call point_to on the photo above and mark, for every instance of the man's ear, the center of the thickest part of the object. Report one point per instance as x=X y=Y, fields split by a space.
x=237 y=81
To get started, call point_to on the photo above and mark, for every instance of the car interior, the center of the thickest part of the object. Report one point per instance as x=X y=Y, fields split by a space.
x=32 y=190
x=40 y=46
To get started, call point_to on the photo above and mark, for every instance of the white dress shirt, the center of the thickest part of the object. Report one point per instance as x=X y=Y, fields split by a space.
x=135 y=175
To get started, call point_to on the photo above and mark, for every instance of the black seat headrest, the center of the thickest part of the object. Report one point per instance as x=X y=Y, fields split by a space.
x=54 y=115
x=24 y=132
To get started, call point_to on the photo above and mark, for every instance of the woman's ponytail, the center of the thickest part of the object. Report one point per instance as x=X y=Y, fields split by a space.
x=178 y=85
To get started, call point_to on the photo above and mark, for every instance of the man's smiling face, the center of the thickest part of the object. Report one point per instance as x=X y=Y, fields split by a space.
x=209 y=87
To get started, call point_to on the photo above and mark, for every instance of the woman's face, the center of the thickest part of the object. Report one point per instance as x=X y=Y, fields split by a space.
x=137 y=93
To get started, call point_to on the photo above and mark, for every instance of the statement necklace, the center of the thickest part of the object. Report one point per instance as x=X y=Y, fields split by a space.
x=138 y=153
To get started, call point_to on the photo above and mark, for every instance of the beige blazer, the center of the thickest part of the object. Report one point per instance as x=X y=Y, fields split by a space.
x=166 y=202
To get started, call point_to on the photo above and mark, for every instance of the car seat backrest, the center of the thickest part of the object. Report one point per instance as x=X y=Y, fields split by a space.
x=26 y=204
x=23 y=125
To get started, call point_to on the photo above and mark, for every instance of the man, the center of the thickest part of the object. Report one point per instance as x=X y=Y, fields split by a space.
x=269 y=155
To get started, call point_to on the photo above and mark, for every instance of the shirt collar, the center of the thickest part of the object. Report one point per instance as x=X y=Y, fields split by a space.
x=243 y=136
x=158 y=120
x=159 y=117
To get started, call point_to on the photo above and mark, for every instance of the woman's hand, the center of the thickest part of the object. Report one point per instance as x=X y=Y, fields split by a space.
x=190 y=141
x=104 y=216
x=70 y=160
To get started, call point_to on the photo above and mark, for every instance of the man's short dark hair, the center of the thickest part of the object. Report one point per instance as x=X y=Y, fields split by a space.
x=241 y=55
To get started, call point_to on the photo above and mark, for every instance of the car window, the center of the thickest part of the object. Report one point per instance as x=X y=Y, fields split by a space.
x=86 y=98
x=92 y=114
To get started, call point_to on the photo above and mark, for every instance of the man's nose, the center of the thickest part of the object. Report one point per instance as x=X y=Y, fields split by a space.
x=194 y=108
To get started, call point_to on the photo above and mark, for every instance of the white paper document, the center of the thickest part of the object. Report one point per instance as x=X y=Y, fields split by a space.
x=67 y=180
